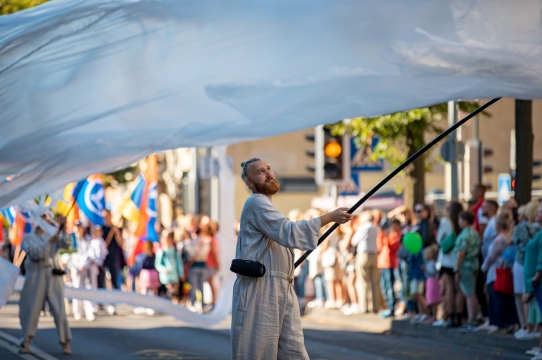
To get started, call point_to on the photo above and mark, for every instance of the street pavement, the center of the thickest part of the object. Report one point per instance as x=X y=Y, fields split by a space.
x=130 y=336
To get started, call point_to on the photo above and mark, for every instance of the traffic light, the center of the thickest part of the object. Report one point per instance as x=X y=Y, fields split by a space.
x=311 y=152
x=332 y=157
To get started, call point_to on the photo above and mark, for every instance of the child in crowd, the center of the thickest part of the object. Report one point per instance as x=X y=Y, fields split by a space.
x=432 y=287
x=416 y=283
x=170 y=266
x=148 y=276
x=387 y=263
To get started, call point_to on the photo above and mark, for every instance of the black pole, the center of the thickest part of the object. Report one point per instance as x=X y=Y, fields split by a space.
x=399 y=169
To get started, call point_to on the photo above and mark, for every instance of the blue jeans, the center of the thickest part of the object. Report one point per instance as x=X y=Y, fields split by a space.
x=387 y=279
x=196 y=276
x=320 y=287
x=299 y=281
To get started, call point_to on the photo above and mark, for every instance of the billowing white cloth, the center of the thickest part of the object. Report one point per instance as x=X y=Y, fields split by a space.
x=91 y=85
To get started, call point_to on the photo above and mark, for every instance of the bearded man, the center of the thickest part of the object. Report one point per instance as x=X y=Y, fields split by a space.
x=266 y=323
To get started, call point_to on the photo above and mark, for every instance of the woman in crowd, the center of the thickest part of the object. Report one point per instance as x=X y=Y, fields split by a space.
x=212 y=259
x=466 y=252
x=452 y=299
x=523 y=233
x=501 y=306
x=532 y=273
x=169 y=266
x=198 y=251
x=425 y=226
x=349 y=252
x=333 y=273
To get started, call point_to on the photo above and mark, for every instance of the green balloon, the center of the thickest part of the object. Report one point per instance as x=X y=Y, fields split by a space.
x=413 y=242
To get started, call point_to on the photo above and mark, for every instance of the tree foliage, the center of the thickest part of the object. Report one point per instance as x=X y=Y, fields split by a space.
x=11 y=6
x=400 y=135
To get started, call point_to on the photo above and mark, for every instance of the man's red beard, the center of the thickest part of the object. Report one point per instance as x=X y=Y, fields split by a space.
x=267 y=188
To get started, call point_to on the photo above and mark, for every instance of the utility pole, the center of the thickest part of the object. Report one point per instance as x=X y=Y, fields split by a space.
x=524 y=151
x=452 y=166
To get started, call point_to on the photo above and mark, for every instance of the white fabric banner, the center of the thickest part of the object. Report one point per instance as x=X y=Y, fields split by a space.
x=91 y=85
x=9 y=279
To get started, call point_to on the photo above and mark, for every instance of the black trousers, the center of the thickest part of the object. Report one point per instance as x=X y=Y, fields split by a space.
x=481 y=290
x=113 y=268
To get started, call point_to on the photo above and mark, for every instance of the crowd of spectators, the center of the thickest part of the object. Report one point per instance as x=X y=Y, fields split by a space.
x=479 y=268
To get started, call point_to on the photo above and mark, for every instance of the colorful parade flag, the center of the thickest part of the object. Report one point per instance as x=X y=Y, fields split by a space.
x=145 y=198
x=22 y=225
x=9 y=214
x=91 y=198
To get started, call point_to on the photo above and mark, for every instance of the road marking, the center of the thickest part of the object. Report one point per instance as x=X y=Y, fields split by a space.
x=12 y=344
x=15 y=349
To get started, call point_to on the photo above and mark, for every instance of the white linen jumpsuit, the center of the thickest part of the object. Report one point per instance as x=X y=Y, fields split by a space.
x=266 y=323
x=42 y=286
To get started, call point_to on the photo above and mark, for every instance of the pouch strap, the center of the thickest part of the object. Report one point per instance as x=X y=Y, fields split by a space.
x=263 y=253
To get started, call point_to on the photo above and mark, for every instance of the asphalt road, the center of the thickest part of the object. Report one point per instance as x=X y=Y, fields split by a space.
x=131 y=336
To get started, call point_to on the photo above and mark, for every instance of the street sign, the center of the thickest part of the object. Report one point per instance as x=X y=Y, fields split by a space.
x=504 y=188
x=352 y=187
x=360 y=158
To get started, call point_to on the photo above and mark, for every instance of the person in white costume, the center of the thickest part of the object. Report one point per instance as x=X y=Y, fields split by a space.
x=266 y=323
x=91 y=253
x=43 y=281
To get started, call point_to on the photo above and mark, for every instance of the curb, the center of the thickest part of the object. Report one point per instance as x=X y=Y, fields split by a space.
x=505 y=342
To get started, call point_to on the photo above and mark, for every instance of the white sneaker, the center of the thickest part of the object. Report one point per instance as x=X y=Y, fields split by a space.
x=344 y=307
x=149 y=311
x=139 y=310
x=329 y=304
x=415 y=319
x=111 y=310
x=440 y=323
x=352 y=310
x=338 y=304
x=399 y=312
x=90 y=316
x=524 y=335
x=318 y=303
x=422 y=318
x=492 y=329
x=77 y=317
x=484 y=326
x=534 y=351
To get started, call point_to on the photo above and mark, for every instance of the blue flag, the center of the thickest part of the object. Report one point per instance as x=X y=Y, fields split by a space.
x=90 y=197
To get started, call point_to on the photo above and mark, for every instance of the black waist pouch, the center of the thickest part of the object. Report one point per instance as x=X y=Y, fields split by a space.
x=58 y=272
x=248 y=267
